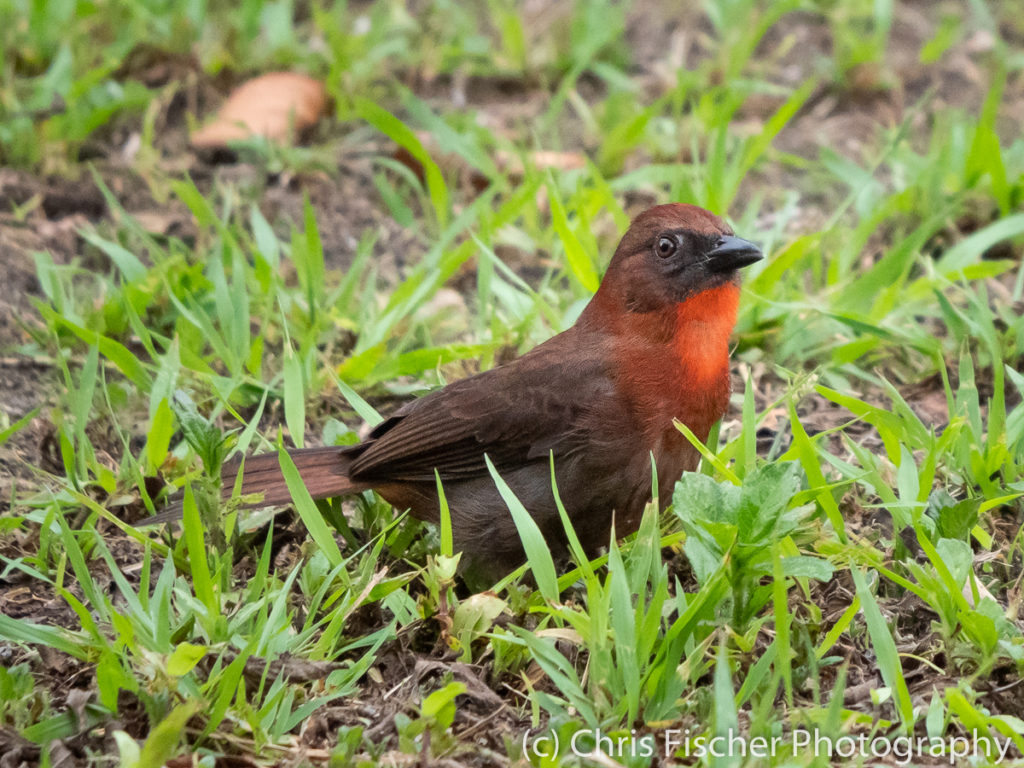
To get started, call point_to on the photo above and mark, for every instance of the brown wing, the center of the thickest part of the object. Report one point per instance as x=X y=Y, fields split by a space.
x=515 y=414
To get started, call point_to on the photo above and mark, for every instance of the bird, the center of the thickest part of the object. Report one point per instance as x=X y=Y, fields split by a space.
x=598 y=400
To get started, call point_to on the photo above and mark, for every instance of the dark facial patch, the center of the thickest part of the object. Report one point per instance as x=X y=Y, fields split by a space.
x=652 y=275
x=675 y=216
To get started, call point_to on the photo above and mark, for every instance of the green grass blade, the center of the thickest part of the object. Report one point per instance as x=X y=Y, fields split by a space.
x=537 y=553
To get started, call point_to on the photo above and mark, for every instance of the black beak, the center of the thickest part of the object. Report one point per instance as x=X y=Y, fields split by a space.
x=732 y=253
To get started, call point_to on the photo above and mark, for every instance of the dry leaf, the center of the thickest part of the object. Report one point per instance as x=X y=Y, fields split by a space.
x=983 y=592
x=276 y=106
x=542 y=160
x=510 y=163
x=158 y=222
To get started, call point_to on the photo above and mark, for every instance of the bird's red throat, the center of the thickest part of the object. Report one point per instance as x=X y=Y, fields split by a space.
x=704 y=324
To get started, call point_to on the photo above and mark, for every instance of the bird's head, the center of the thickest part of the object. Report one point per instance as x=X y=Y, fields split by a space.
x=671 y=253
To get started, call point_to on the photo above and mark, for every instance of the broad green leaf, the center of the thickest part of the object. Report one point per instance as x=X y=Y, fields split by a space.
x=184 y=658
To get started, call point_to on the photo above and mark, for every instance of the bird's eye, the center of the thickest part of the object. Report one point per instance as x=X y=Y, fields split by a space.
x=666 y=247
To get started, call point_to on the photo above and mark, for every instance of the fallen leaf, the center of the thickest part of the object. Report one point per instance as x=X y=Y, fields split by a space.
x=510 y=163
x=540 y=159
x=158 y=222
x=983 y=592
x=277 y=106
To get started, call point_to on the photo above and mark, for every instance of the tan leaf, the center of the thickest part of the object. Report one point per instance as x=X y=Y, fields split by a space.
x=983 y=592
x=277 y=106
x=542 y=160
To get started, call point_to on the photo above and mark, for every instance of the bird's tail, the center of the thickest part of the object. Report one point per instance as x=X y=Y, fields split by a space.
x=324 y=472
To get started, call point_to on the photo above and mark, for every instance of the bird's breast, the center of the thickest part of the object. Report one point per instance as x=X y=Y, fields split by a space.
x=704 y=324
x=679 y=370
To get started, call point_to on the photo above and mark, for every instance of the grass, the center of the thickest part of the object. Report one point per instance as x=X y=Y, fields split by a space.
x=844 y=561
